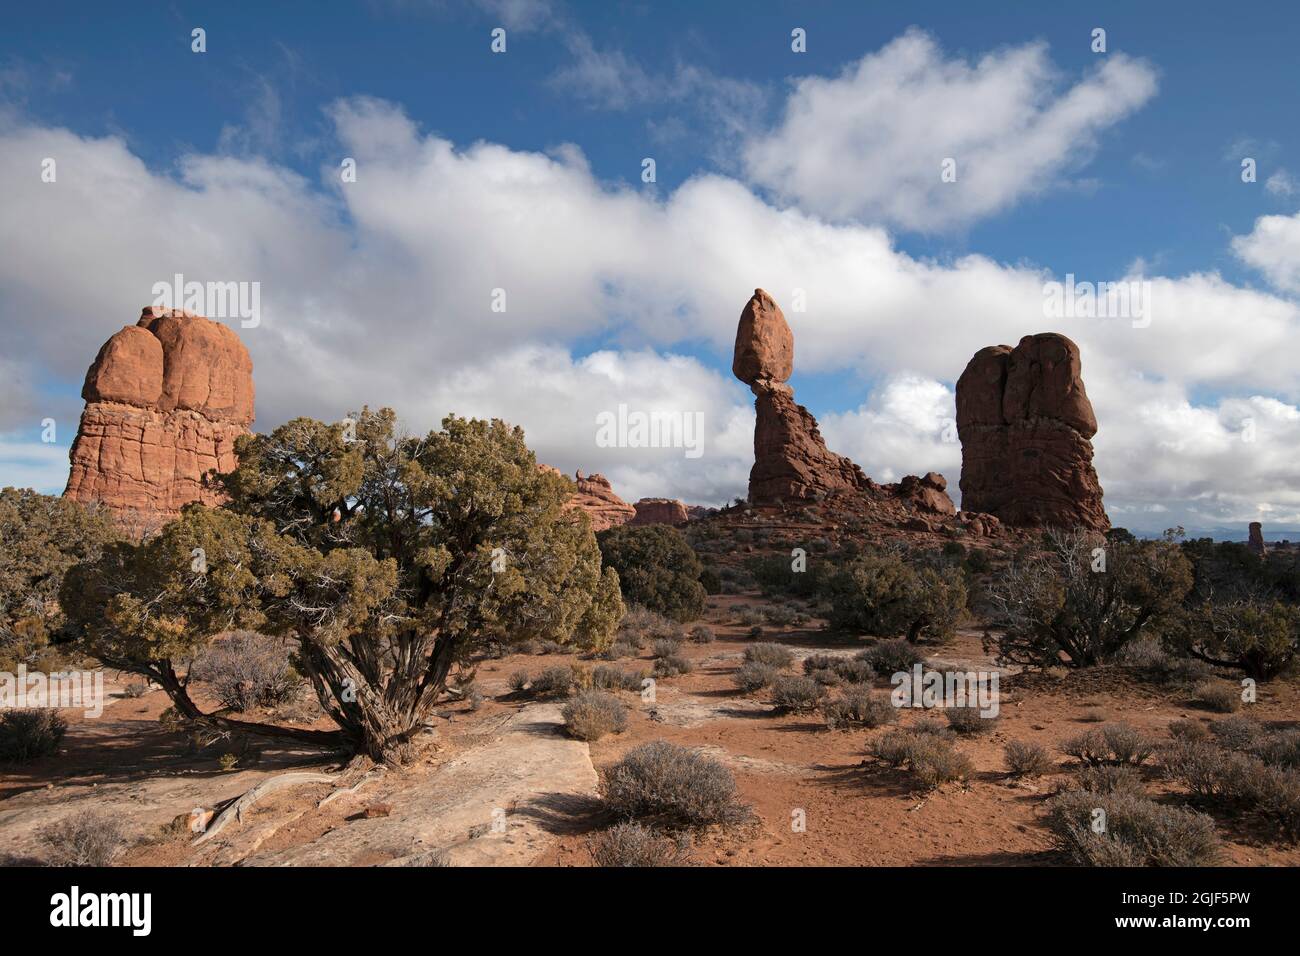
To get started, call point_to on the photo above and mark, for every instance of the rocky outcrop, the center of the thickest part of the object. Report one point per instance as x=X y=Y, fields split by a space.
x=1256 y=540
x=165 y=400
x=1026 y=425
x=596 y=497
x=660 y=511
x=790 y=459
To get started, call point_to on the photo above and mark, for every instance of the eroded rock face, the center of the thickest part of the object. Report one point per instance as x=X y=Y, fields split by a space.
x=596 y=497
x=165 y=400
x=660 y=511
x=790 y=459
x=1026 y=425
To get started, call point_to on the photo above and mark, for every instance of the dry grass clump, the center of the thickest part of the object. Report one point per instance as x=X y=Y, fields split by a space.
x=792 y=693
x=1124 y=829
x=857 y=706
x=1113 y=743
x=774 y=655
x=1218 y=696
x=930 y=757
x=969 y=720
x=608 y=677
x=634 y=844
x=666 y=783
x=1027 y=759
x=753 y=676
x=83 y=839
x=593 y=714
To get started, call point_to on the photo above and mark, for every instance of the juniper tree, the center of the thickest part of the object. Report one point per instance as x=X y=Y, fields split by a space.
x=388 y=559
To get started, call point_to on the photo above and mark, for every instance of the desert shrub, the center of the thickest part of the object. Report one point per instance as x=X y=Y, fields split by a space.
x=710 y=580
x=930 y=757
x=247 y=670
x=670 y=665
x=607 y=677
x=701 y=634
x=1217 y=696
x=791 y=692
x=618 y=651
x=634 y=844
x=884 y=596
x=83 y=839
x=518 y=681
x=827 y=678
x=1137 y=831
x=672 y=784
x=1260 y=638
x=28 y=733
x=41 y=538
x=751 y=616
x=558 y=681
x=665 y=648
x=641 y=626
x=754 y=675
x=1188 y=730
x=656 y=569
x=1114 y=743
x=776 y=575
x=593 y=714
x=755 y=632
x=1279 y=749
x=890 y=657
x=1109 y=778
x=774 y=655
x=1277 y=800
x=1055 y=604
x=780 y=616
x=1148 y=659
x=969 y=720
x=135 y=690
x=1209 y=772
x=1236 y=733
x=358 y=543
x=856 y=705
x=1027 y=759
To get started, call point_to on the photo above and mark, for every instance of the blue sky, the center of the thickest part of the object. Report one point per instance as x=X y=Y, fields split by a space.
x=711 y=91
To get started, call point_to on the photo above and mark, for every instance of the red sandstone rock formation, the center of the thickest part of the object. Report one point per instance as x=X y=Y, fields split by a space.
x=791 y=461
x=660 y=511
x=165 y=400
x=1256 y=541
x=596 y=497
x=1025 y=425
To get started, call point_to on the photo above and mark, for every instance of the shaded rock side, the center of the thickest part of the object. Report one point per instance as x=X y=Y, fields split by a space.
x=1026 y=424
x=660 y=511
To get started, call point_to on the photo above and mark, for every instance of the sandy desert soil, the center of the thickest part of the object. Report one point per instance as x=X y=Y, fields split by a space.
x=493 y=763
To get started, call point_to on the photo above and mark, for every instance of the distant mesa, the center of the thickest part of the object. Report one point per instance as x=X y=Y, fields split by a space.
x=165 y=400
x=1026 y=426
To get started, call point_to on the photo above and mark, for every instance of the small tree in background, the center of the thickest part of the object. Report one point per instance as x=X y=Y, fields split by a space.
x=1084 y=598
x=883 y=595
x=41 y=537
x=656 y=568
x=1260 y=638
x=389 y=559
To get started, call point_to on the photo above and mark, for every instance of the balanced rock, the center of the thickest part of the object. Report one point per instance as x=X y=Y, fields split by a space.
x=165 y=400
x=660 y=511
x=1026 y=426
x=790 y=459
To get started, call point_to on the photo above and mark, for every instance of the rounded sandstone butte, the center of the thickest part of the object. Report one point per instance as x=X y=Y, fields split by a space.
x=166 y=399
x=660 y=511
x=764 y=342
x=1025 y=421
x=596 y=497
